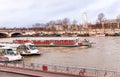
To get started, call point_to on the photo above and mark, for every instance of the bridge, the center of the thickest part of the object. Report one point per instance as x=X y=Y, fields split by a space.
x=44 y=70
x=11 y=32
x=14 y=32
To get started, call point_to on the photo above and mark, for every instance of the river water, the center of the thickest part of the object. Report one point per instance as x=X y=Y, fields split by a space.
x=105 y=54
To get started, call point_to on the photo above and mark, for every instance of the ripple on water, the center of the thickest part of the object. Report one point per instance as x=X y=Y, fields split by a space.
x=105 y=54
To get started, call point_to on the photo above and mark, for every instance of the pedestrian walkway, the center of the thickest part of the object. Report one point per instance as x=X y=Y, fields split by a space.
x=42 y=70
x=34 y=73
x=30 y=71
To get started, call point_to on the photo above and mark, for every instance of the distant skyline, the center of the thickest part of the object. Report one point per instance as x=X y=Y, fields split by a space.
x=25 y=13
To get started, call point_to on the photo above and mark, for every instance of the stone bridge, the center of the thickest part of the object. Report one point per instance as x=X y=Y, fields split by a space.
x=11 y=33
x=22 y=32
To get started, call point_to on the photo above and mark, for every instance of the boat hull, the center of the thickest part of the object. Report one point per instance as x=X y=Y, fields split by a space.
x=56 y=42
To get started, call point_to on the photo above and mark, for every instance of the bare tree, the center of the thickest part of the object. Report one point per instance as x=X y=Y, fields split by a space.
x=74 y=22
x=49 y=25
x=118 y=21
x=58 y=22
x=65 y=23
x=101 y=17
x=118 y=18
x=74 y=25
x=36 y=27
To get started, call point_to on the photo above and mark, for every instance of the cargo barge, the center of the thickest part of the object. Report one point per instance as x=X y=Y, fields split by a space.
x=56 y=42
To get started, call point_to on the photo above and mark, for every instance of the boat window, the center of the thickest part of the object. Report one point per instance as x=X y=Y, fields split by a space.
x=10 y=51
x=4 y=52
x=32 y=47
x=22 y=47
x=26 y=48
x=19 y=48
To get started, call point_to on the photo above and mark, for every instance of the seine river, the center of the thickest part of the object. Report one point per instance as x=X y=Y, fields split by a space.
x=105 y=54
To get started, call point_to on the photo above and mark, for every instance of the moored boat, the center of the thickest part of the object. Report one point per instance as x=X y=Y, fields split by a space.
x=9 y=54
x=22 y=48
x=56 y=42
x=28 y=49
x=100 y=34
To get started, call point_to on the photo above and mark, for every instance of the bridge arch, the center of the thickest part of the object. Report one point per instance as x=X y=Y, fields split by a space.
x=16 y=34
x=3 y=35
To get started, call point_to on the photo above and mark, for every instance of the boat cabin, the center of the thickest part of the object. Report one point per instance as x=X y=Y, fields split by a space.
x=28 y=49
x=9 y=54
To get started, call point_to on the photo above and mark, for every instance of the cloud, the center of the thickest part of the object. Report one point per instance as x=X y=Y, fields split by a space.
x=100 y=4
x=22 y=12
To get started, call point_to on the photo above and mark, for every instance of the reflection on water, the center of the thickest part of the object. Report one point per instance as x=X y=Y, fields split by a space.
x=105 y=54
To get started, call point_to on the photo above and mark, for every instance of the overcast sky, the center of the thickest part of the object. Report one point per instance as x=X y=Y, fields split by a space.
x=24 y=13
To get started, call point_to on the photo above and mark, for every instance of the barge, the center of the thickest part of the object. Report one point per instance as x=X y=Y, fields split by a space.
x=56 y=42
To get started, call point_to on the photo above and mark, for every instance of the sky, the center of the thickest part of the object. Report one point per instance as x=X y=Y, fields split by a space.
x=25 y=13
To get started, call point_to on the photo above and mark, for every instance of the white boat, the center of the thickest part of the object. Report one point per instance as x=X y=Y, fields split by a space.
x=100 y=35
x=9 y=54
x=23 y=49
x=28 y=49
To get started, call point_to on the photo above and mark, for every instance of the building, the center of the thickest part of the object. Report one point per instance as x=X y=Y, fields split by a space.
x=111 y=24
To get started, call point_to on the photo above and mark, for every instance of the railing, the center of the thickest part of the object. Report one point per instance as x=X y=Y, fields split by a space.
x=82 y=72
